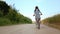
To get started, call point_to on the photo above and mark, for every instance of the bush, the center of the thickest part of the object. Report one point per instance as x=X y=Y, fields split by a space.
x=54 y=19
x=11 y=15
x=4 y=21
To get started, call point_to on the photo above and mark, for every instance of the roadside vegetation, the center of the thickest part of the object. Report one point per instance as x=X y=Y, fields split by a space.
x=10 y=15
x=53 y=21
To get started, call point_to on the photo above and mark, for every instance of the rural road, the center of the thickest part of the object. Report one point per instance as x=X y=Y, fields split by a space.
x=28 y=29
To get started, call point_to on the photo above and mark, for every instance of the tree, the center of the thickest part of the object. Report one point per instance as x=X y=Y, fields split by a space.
x=4 y=7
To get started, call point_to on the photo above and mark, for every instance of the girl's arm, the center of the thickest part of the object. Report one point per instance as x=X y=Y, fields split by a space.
x=40 y=12
x=34 y=13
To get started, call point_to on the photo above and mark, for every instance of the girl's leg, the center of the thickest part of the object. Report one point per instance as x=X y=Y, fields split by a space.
x=38 y=23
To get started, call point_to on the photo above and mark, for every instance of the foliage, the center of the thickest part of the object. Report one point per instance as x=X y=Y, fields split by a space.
x=4 y=21
x=53 y=19
x=4 y=6
x=11 y=16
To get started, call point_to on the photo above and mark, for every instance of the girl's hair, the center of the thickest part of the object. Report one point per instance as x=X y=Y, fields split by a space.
x=36 y=8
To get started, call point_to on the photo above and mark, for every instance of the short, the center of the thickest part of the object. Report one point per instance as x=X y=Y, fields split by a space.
x=37 y=16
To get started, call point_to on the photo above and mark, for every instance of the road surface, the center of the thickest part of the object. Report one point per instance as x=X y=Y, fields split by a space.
x=28 y=29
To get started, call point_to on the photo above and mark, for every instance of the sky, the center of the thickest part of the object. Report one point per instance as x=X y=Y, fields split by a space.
x=26 y=7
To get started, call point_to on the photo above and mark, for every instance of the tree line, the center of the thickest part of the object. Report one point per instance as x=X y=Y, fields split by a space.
x=9 y=15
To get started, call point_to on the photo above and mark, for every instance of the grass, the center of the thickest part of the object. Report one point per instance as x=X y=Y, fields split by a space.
x=53 y=21
x=7 y=22
x=4 y=21
x=54 y=26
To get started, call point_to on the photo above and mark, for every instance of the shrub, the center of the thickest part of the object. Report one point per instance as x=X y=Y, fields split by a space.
x=4 y=21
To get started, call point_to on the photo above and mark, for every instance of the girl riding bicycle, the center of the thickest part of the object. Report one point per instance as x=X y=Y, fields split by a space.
x=37 y=15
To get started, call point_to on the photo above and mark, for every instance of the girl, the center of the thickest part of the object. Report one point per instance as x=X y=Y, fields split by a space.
x=37 y=15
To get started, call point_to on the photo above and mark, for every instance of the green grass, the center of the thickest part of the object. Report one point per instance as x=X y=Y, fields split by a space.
x=4 y=21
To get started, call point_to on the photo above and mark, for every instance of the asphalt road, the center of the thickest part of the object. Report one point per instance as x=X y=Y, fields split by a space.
x=28 y=29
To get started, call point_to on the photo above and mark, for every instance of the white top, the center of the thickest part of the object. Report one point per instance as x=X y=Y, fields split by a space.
x=37 y=13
